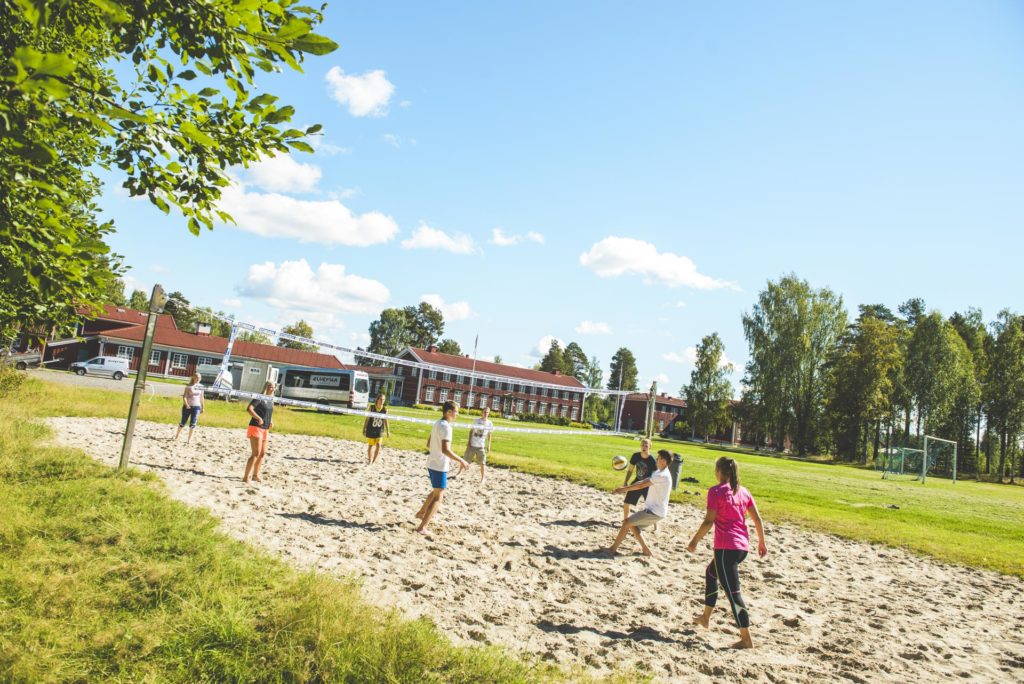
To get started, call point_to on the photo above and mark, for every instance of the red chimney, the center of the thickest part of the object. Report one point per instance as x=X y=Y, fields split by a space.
x=432 y=348
x=557 y=372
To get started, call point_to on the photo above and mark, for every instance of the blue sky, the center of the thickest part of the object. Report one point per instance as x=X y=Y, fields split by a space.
x=649 y=165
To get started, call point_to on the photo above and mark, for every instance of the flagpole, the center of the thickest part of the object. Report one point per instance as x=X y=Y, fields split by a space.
x=472 y=373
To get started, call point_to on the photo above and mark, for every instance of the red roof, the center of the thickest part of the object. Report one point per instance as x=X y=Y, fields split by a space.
x=168 y=335
x=464 y=363
x=660 y=399
x=120 y=314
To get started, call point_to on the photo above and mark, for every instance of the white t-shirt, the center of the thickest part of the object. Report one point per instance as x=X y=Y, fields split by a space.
x=478 y=435
x=658 y=492
x=437 y=460
x=194 y=395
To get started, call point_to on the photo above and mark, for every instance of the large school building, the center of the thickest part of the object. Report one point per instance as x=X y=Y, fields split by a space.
x=458 y=378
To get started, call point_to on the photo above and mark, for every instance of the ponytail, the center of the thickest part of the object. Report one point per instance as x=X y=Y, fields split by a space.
x=729 y=468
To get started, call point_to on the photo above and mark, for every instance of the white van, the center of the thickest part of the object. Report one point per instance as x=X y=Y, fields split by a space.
x=110 y=366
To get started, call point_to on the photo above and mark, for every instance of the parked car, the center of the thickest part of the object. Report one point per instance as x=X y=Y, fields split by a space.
x=109 y=366
x=21 y=360
x=601 y=426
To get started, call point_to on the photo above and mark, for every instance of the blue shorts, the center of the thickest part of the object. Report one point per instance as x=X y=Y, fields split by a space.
x=190 y=413
x=438 y=479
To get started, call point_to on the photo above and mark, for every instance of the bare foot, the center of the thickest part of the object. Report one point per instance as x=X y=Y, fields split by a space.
x=648 y=553
x=245 y=479
x=609 y=552
x=419 y=515
x=423 y=532
x=742 y=644
x=702 y=621
x=256 y=479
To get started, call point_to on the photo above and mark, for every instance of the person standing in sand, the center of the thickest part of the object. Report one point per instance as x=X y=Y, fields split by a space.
x=480 y=441
x=373 y=426
x=727 y=509
x=658 y=487
x=262 y=412
x=193 y=403
x=643 y=464
x=439 y=448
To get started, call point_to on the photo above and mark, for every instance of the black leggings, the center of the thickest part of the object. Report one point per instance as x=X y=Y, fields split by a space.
x=726 y=567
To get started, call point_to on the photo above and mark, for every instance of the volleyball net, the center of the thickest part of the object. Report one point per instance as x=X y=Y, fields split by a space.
x=223 y=387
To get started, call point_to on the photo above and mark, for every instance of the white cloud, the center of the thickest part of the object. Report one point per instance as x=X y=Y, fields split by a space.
x=544 y=345
x=404 y=104
x=365 y=95
x=689 y=357
x=680 y=304
x=159 y=268
x=232 y=302
x=295 y=286
x=617 y=256
x=500 y=239
x=393 y=140
x=426 y=237
x=324 y=147
x=593 y=328
x=345 y=193
x=453 y=311
x=326 y=222
x=283 y=174
x=661 y=379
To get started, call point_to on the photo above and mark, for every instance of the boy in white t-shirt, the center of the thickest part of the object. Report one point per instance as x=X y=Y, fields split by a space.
x=659 y=487
x=439 y=447
x=480 y=441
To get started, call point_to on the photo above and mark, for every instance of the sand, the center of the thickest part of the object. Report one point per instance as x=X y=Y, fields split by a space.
x=514 y=563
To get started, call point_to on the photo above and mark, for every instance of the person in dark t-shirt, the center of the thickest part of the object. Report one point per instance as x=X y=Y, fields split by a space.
x=261 y=412
x=373 y=427
x=643 y=464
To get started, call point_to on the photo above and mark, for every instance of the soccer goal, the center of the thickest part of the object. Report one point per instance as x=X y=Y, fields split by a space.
x=937 y=457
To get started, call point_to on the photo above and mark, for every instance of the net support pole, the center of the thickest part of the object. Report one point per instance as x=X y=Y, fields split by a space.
x=924 y=460
x=156 y=304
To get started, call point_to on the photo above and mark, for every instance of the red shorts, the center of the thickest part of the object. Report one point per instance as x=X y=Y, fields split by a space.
x=256 y=431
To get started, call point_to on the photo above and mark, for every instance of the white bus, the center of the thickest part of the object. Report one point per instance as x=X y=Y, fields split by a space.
x=327 y=387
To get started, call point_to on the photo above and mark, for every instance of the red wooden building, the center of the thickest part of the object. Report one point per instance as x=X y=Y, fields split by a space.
x=119 y=331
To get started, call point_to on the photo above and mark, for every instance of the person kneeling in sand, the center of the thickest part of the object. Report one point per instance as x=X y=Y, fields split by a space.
x=659 y=487
x=439 y=448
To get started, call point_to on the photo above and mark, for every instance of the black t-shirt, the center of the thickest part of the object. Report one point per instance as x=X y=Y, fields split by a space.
x=644 y=466
x=264 y=408
x=374 y=425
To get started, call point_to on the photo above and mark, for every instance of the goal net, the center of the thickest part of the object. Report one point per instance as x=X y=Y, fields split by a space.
x=902 y=463
x=937 y=457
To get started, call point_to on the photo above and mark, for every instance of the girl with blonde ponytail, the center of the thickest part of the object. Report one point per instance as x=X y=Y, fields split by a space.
x=727 y=508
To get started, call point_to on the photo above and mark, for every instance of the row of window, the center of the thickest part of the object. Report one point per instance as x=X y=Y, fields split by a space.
x=178 y=361
x=495 y=385
x=494 y=400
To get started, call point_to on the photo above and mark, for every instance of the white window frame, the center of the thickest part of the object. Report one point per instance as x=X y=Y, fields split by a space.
x=175 y=364
x=125 y=352
x=575 y=413
x=457 y=397
x=154 y=357
x=565 y=411
x=519 y=405
x=442 y=396
x=428 y=393
x=496 y=402
x=204 y=361
x=531 y=406
x=542 y=408
x=432 y=375
x=483 y=400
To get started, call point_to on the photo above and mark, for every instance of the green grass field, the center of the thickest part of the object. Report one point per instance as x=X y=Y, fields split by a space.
x=972 y=523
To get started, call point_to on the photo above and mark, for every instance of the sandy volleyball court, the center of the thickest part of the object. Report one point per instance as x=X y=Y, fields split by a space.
x=513 y=563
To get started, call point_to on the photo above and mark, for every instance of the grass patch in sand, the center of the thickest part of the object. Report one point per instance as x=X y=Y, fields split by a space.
x=970 y=523
x=105 y=578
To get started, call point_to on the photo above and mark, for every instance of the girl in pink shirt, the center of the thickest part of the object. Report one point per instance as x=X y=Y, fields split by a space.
x=728 y=506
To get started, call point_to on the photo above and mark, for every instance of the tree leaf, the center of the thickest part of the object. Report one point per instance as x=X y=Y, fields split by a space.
x=315 y=44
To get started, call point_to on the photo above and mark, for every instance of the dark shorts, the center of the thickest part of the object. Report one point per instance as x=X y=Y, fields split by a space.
x=633 y=497
x=438 y=479
x=188 y=412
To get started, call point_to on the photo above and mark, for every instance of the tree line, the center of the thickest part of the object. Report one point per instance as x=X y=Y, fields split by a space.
x=821 y=381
